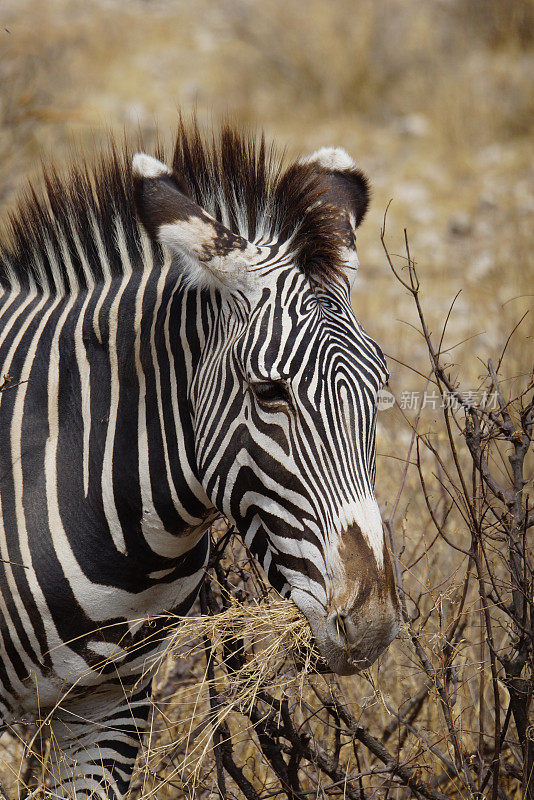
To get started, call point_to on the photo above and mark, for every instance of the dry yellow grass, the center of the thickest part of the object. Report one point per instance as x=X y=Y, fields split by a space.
x=272 y=641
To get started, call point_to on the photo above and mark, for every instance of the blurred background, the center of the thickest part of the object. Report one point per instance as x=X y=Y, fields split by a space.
x=434 y=100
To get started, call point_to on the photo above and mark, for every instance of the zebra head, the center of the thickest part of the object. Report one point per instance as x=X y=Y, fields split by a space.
x=283 y=396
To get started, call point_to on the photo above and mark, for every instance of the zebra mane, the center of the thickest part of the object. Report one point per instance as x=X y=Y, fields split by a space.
x=78 y=230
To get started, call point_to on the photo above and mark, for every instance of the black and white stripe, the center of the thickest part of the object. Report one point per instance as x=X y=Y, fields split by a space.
x=210 y=364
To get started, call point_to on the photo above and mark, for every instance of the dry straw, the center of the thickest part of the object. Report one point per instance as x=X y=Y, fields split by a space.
x=259 y=646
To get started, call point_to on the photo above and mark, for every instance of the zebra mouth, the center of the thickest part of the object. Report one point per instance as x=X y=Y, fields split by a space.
x=344 y=650
x=313 y=659
x=328 y=653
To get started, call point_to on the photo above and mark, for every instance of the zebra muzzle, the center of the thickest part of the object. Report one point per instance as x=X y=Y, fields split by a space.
x=350 y=640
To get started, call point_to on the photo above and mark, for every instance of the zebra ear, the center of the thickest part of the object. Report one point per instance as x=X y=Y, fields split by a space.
x=347 y=189
x=207 y=249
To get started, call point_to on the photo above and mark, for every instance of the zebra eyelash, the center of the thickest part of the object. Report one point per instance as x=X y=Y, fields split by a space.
x=272 y=394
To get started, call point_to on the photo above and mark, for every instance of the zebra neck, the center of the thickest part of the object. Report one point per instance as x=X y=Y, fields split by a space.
x=138 y=342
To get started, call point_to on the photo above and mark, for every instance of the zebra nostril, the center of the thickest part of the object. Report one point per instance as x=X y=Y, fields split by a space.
x=338 y=626
x=344 y=631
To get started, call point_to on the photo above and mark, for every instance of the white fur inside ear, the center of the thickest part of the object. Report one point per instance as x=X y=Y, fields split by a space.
x=350 y=257
x=196 y=241
x=351 y=260
x=145 y=166
x=334 y=159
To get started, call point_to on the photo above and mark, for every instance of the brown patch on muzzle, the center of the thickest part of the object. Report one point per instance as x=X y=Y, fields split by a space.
x=366 y=606
x=362 y=571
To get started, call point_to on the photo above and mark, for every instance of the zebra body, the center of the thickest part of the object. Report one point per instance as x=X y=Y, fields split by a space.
x=156 y=375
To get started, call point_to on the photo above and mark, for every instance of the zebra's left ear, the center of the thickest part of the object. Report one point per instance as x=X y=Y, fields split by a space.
x=209 y=252
x=347 y=189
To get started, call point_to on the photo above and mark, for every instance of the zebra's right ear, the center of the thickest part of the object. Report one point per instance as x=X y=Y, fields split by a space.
x=209 y=252
x=346 y=189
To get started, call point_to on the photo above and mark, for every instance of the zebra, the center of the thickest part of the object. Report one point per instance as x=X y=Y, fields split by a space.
x=176 y=343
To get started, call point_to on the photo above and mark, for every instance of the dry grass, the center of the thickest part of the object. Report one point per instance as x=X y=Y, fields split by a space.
x=243 y=651
x=271 y=632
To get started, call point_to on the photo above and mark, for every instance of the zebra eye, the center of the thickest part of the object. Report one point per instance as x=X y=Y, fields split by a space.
x=271 y=393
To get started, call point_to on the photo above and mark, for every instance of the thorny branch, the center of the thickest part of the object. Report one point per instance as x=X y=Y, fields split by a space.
x=498 y=496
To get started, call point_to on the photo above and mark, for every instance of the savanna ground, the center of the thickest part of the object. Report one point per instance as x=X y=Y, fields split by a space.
x=435 y=102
